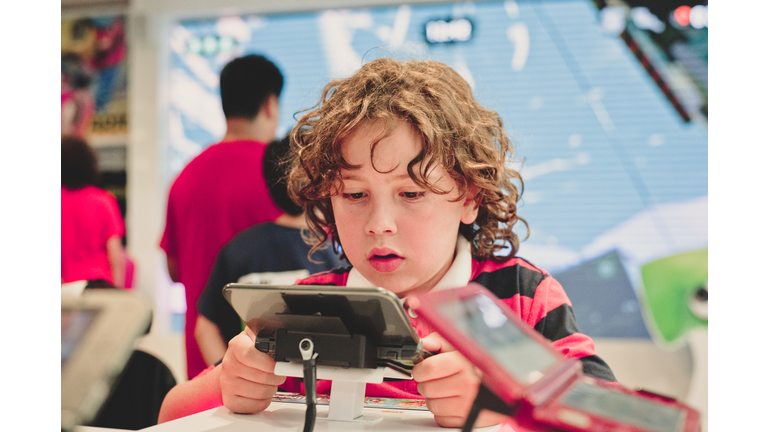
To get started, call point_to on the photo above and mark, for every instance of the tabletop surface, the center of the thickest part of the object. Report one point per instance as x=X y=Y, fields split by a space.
x=282 y=416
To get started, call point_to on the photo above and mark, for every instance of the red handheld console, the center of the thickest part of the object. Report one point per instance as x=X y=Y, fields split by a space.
x=546 y=390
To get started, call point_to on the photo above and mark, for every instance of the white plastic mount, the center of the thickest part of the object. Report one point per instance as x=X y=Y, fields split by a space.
x=347 y=389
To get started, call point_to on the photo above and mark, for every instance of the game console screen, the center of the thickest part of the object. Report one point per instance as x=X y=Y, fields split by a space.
x=482 y=320
x=624 y=408
x=74 y=326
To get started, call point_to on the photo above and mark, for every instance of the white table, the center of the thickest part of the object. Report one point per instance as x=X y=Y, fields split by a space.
x=289 y=417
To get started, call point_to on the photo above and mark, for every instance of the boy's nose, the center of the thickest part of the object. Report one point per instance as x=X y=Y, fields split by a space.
x=381 y=221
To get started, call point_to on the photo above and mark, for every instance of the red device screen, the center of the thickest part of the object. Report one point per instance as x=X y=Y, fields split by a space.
x=470 y=318
x=623 y=408
x=524 y=358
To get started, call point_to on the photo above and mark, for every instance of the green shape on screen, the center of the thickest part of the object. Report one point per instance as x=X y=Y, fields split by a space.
x=669 y=284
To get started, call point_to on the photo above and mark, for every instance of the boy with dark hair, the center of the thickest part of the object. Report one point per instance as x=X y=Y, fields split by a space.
x=222 y=191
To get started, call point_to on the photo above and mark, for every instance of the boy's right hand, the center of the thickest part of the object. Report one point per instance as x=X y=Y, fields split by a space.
x=247 y=379
x=450 y=383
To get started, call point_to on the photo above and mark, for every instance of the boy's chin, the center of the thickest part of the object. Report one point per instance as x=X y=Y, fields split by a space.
x=391 y=283
x=401 y=288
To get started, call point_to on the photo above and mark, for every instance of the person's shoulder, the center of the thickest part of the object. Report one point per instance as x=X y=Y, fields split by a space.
x=200 y=159
x=513 y=263
x=337 y=276
x=242 y=146
x=510 y=277
x=252 y=236
x=238 y=152
x=200 y=166
x=256 y=230
x=91 y=193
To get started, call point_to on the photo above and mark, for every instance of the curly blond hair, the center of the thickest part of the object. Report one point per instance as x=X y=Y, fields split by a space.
x=457 y=133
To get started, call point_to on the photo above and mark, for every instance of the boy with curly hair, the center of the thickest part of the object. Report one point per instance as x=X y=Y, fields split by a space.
x=403 y=169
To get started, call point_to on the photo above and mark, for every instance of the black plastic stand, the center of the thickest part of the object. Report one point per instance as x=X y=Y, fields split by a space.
x=341 y=359
x=334 y=350
x=486 y=399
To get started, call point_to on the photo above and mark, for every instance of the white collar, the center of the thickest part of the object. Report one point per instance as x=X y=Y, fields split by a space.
x=457 y=276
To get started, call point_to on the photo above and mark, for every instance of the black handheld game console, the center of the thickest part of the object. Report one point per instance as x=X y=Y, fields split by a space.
x=350 y=327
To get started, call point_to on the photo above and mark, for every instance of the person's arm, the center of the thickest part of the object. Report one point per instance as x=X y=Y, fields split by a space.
x=173 y=269
x=212 y=331
x=209 y=340
x=248 y=379
x=556 y=321
x=116 y=256
x=196 y=395
x=244 y=382
x=450 y=383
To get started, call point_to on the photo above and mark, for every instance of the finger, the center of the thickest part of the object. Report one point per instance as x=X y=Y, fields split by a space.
x=464 y=385
x=449 y=412
x=250 y=334
x=450 y=421
x=436 y=343
x=236 y=369
x=242 y=349
x=236 y=386
x=490 y=418
x=485 y=419
x=440 y=366
x=242 y=405
x=412 y=302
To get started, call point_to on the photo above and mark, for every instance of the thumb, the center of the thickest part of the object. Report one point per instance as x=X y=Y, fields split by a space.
x=436 y=344
x=250 y=333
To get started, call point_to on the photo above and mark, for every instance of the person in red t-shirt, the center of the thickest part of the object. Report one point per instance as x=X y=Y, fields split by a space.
x=92 y=227
x=222 y=191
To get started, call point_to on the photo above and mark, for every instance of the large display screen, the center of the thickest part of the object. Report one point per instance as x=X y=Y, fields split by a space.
x=608 y=164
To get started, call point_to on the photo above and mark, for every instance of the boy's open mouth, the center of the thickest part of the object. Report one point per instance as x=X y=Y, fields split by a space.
x=385 y=256
x=385 y=262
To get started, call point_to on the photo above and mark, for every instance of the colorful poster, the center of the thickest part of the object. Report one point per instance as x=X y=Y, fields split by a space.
x=93 y=78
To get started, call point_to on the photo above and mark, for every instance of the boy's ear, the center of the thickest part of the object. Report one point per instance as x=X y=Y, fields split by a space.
x=470 y=209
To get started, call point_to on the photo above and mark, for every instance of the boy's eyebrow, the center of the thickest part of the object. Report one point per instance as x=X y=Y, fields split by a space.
x=356 y=177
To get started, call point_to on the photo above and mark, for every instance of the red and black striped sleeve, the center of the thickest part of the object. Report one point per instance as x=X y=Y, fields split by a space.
x=541 y=302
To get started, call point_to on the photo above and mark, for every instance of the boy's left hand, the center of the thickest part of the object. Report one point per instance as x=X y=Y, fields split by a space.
x=449 y=383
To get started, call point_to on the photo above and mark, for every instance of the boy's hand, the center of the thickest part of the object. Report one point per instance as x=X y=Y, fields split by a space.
x=247 y=377
x=449 y=383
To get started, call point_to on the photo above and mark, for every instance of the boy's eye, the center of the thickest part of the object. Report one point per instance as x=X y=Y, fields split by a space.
x=354 y=196
x=413 y=195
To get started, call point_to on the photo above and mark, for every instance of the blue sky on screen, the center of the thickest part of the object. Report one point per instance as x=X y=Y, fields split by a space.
x=607 y=162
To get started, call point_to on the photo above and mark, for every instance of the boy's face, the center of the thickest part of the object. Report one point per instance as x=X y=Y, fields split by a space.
x=398 y=235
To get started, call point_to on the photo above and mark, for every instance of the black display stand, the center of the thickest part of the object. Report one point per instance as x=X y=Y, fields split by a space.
x=486 y=399
x=349 y=376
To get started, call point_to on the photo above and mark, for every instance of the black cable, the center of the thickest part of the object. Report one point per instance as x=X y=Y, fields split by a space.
x=486 y=399
x=310 y=382
x=469 y=423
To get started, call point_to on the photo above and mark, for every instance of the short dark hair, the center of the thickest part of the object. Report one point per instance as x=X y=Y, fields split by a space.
x=276 y=166
x=246 y=83
x=78 y=163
